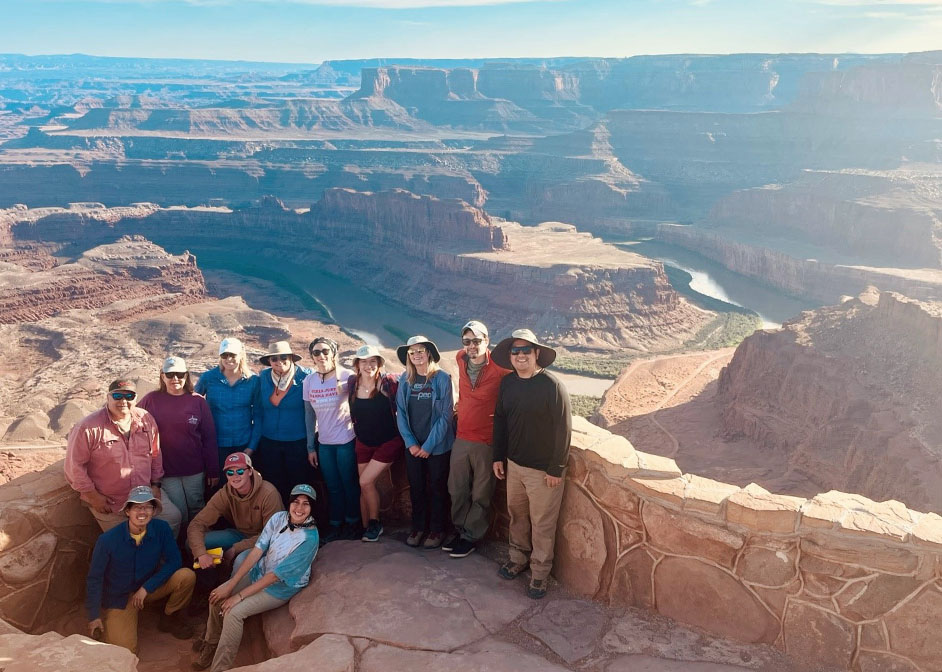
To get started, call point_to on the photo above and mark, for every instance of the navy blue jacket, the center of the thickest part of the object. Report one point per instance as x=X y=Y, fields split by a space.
x=119 y=566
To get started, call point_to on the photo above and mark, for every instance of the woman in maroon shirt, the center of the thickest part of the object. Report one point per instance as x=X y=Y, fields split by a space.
x=187 y=438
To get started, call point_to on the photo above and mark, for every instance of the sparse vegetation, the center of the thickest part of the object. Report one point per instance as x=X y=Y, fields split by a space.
x=598 y=366
x=584 y=405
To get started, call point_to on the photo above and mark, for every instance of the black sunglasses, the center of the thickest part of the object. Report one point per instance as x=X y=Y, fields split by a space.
x=279 y=358
x=318 y=353
x=233 y=472
x=126 y=396
x=469 y=341
x=179 y=375
x=521 y=350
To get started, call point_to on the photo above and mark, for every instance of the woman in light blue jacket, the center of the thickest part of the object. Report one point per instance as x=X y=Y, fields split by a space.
x=425 y=404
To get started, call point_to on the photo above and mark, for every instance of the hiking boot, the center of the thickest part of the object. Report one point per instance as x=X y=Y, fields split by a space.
x=205 y=657
x=175 y=625
x=463 y=548
x=537 y=589
x=414 y=539
x=510 y=570
x=198 y=645
x=332 y=533
x=373 y=530
x=434 y=540
x=449 y=544
x=351 y=531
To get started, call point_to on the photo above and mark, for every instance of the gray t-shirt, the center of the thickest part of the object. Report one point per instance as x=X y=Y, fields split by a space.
x=420 y=408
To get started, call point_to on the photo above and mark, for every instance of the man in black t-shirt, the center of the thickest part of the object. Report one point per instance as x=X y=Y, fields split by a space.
x=532 y=431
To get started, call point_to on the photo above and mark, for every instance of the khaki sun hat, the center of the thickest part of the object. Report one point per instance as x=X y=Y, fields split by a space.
x=501 y=353
x=279 y=348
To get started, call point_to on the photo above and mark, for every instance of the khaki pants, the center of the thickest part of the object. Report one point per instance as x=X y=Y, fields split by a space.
x=471 y=486
x=170 y=514
x=121 y=624
x=225 y=633
x=534 y=508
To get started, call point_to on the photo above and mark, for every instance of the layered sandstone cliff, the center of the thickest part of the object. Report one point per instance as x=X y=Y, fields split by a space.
x=847 y=394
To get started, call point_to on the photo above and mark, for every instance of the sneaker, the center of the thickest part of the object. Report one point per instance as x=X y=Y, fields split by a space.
x=373 y=530
x=332 y=533
x=537 y=589
x=510 y=570
x=351 y=531
x=463 y=548
x=205 y=657
x=175 y=625
x=449 y=544
x=414 y=539
x=434 y=540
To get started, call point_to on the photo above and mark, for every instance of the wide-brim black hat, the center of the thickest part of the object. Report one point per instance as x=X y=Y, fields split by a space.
x=501 y=353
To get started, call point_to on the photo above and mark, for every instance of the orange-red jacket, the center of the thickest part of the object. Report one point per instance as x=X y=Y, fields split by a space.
x=476 y=404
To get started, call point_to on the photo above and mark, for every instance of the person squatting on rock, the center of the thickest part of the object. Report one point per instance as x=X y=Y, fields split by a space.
x=133 y=564
x=330 y=439
x=471 y=474
x=425 y=413
x=532 y=431
x=231 y=389
x=113 y=450
x=372 y=400
x=187 y=438
x=246 y=501
x=281 y=454
x=265 y=578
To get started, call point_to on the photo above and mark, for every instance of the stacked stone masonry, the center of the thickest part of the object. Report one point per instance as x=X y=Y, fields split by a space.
x=838 y=580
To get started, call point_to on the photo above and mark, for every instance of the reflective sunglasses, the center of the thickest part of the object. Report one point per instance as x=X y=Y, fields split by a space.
x=521 y=350
x=179 y=375
x=472 y=341
x=228 y=355
x=126 y=396
x=279 y=358
x=417 y=352
x=233 y=472
x=317 y=353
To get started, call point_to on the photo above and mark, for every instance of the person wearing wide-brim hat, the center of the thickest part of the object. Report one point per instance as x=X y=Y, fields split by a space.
x=378 y=443
x=282 y=447
x=134 y=564
x=425 y=415
x=532 y=432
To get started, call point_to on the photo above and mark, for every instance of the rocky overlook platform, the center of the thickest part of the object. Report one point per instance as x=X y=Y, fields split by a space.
x=835 y=582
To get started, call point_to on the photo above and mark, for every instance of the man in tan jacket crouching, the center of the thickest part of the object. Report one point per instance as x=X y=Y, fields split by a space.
x=247 y=501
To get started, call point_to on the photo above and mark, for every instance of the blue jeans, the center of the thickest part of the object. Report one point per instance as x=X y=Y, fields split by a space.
x=224 y=539
x=339 y=467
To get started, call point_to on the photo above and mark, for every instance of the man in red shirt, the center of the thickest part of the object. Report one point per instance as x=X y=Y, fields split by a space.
x=471 y=477
x=114 y=450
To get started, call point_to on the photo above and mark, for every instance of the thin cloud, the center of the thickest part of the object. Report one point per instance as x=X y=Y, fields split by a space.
x=368 y=4
x=922 y=4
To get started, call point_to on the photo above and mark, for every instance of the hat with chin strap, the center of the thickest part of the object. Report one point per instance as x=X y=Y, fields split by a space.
x=501 y=354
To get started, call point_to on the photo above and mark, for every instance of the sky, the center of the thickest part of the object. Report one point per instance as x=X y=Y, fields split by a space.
x=312 y=31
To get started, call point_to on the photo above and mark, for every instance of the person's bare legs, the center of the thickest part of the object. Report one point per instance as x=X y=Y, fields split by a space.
x=368 y=493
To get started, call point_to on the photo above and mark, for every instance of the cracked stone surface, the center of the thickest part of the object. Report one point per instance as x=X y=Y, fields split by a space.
x=570 y=628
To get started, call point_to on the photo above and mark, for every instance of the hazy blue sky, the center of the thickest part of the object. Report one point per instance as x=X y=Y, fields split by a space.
x=311 y=31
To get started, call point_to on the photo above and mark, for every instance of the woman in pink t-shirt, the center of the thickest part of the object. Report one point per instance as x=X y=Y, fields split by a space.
x=330 y=439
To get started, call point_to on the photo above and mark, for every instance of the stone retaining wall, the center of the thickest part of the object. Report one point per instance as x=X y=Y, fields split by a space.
x=837 y=580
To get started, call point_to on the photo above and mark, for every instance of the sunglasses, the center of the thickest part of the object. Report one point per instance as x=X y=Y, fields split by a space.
x=233 y=472
x=417 y=352
x=228 y=355
x=126 y=396
x=472 y=341
x=317 y=353
x=179 y=375
x=521 y=350
x=278 y=358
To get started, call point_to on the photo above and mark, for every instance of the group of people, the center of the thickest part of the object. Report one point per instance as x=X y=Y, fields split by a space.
x=253 y=443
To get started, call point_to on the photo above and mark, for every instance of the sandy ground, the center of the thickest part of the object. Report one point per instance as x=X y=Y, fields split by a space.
x=666 y=405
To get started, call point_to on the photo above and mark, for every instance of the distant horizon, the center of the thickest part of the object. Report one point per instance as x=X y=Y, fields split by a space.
x=314 y=31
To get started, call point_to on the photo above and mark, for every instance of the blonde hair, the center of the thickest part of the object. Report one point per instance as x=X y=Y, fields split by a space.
x=242 y=365
x=433 y=367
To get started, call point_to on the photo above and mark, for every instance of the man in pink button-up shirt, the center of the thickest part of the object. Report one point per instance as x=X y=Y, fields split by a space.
x=113 y=450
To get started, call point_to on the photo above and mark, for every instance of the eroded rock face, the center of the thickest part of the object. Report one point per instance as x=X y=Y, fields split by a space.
x=51 y=652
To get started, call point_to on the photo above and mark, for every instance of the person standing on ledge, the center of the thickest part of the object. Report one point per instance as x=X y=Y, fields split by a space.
x=113 y=450
x=471 y=476
x=532 y=431
x=134 y=564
